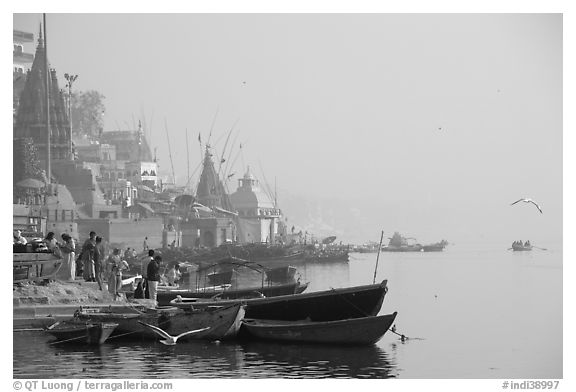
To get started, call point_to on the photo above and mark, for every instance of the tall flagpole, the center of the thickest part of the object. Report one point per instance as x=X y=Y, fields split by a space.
x=47 y=87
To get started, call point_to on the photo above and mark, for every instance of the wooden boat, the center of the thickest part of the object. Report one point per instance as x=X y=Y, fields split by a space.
x=220 y=278
x=437 y=247
x=224 y=322
x=81 y=332
x=327 y=256
x=165 y=296
x=521 y=248
x=328 y=305
x=364 y=330
x=280 y=274
x=128 y=317
x=35 y=266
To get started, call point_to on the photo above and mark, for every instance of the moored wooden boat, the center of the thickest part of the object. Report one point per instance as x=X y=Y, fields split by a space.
x=35 y=266
x=224 y=322
x=81 y=332
x=521 y=248
x=328 y=305
x=226 y=292
x=128 y=317
x=220 y=278
x=364 y=330
x=280 y=274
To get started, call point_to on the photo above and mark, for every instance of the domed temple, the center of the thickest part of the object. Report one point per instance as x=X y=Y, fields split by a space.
x=258 y=217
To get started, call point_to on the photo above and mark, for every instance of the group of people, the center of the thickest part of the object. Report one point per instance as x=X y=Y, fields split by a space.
x=519 y=243
x=92 y=263
x=151 y=276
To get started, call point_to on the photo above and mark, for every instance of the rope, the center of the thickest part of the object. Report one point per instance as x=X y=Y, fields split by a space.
x=402 y=336
x=350 y=303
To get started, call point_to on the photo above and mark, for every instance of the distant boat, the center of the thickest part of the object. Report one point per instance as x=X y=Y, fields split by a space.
x=81 y=332
x=521 y=247
x=437 y=247
x=328 y=305
x=280 y=274
x=327 y=255
x=357 y=331
x=398 y=243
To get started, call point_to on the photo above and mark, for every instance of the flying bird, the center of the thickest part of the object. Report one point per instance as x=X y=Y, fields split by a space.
x=170 y=340
x=525 y=200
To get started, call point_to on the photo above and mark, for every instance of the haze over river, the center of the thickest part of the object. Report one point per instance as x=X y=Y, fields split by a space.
x=472 y=311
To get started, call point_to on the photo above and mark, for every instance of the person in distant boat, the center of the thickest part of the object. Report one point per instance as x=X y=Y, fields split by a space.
x=68 y=248
x=527 y=243
x=88 y=258
x=99 y=263
x=153 y=272
x=18 y=239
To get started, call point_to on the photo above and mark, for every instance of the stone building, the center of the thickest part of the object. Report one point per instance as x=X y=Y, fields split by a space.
x=31 y=115
x=258 y=217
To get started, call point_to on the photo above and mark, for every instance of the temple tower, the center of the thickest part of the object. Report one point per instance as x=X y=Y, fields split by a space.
x=31 y=116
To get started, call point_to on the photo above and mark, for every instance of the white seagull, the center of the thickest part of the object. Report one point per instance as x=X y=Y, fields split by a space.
x=170 y=340
x=525 y=200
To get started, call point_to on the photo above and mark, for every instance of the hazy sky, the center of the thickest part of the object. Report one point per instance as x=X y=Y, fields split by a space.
x=435 y=120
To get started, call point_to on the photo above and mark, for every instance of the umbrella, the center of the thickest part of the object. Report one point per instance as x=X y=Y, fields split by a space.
x=31 y=183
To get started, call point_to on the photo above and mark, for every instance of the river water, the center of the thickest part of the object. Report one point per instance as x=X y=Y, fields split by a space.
x=469 y=312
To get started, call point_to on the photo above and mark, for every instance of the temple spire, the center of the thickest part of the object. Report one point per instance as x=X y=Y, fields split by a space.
x=40 y=38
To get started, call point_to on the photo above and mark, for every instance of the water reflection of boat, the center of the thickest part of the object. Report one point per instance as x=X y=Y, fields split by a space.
x=334 y=304
x=358 y=331
x=329 y=361
x=81 y=332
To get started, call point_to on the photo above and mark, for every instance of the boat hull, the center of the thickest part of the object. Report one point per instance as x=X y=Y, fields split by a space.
x=521 y=248
x=281 y=274
x=224 y=322
x=81 y=332
x=35 y=266
x=359 y=331
x=164 y=297
x=328 y=305
x=129 y=318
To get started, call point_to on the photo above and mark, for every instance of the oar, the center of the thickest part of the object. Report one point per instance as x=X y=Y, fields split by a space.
x=539 y=248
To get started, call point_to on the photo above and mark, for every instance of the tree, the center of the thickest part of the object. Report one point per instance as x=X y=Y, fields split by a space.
x=87 y=113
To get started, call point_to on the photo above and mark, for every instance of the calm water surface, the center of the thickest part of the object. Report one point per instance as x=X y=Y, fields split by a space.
x=469 y=312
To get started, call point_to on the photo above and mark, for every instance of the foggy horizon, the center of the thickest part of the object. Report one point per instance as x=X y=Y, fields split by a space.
x=427 y=124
